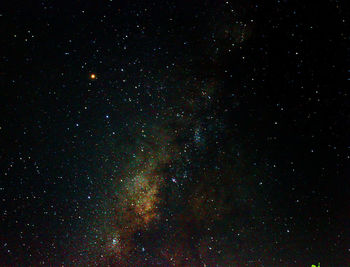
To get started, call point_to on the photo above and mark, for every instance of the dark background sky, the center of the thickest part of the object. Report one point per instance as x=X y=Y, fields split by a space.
x=216 y=133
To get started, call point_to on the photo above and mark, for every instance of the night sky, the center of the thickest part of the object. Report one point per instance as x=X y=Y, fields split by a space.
x=174 y=133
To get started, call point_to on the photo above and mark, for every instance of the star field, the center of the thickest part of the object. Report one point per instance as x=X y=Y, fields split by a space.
x=174 y=133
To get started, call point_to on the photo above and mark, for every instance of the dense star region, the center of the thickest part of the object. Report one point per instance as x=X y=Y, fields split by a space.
x=174 y=133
